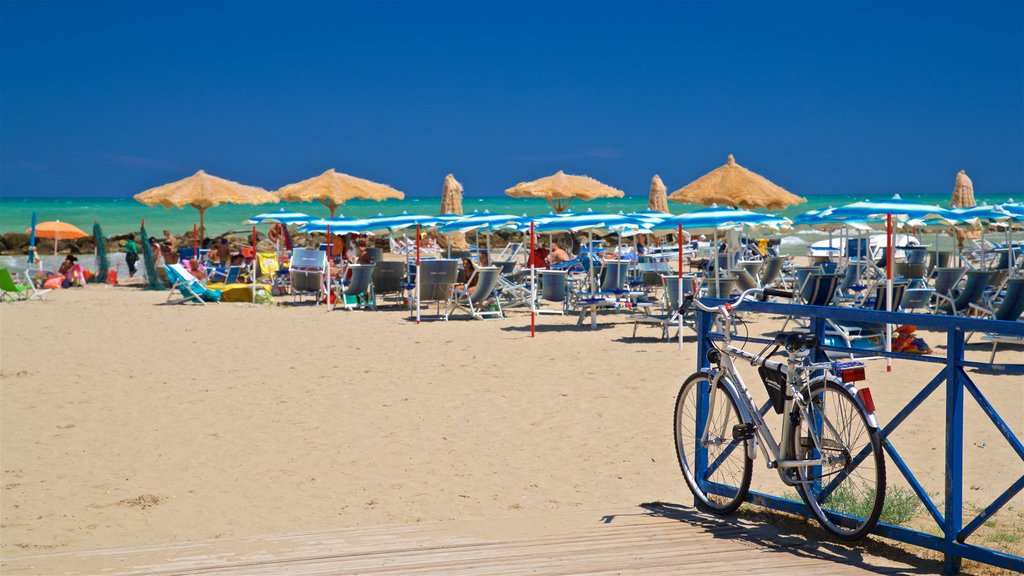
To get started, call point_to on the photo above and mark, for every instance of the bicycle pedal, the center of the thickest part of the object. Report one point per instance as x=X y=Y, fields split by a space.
x=743 y=432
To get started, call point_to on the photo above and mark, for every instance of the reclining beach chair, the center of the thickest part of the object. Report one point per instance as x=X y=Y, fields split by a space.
x=358 y=289
x=11 y=290
x=915 y=298
x=229 y=276
x=868 y=337
x=671 y=301
x=723 y=288
x=972 y=293
x=554 y=287
x=946 y=282
x=1009 y=309
x=509 y=252
x=771 y=269
x=817 y=290
x=388 y=277
x=188 y=286
x=435 y=280
x=474 y=299
x=744 y=281
x=307 y=273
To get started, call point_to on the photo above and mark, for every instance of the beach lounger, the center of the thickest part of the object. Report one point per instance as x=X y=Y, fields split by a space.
x=435 y=281
x=474 y=300
x=915 y=298
x=229 y=276
x=744 y=281
x=1009 y=309
x=11 y=290
x=554 y=287
x=868 y=337
x=307 y=273
x=723 y=288
x=975 y=284
x=358 y=289
x=189 y=287
x=771 y=269
x=509 y=252
x=388 y=277
x=946 y=281
x=671 y=301
x=817 y=290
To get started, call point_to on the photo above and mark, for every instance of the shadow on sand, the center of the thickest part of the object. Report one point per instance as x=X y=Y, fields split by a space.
x=784 y=534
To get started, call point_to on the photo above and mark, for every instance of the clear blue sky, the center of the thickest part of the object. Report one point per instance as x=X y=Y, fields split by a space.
x=110 y=98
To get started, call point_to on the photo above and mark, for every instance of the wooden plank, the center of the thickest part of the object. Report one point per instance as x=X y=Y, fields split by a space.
x=634 y=541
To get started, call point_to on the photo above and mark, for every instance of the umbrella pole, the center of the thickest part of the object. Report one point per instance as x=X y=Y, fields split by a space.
x=533 y=287
x=714 y=258
x=679 y=239
x=590 y=255
x=327 y=279
x=888 y=289
x=419 y=280
x=254 y=259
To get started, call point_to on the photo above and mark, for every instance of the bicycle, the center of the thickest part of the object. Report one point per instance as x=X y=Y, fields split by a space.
x=829 y=451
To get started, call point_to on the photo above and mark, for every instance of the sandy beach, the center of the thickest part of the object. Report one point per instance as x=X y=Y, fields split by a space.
x=126 y=422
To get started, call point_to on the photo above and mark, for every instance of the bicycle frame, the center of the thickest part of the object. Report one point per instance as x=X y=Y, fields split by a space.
x=796 y=381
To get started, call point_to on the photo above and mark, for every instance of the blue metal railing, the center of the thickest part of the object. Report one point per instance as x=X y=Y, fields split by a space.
x=952 y=542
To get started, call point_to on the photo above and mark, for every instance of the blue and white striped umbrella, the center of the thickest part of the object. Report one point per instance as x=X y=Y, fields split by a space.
x=338 y=225
x=280 y=217
x=714 y=218
x=481 y=222
x=593 y=222
x=899 y=208
x=824 y=221
x=651 y=216
x=405 y=221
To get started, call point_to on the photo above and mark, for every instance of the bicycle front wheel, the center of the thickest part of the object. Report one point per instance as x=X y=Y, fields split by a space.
x=716 y=467
x=847 y=490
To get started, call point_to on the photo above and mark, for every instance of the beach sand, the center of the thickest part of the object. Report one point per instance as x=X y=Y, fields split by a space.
x=126 y=422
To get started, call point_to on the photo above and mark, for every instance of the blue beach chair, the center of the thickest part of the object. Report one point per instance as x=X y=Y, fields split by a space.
x=188 y=286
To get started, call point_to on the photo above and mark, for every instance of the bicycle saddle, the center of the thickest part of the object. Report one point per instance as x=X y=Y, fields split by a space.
x=796 y=340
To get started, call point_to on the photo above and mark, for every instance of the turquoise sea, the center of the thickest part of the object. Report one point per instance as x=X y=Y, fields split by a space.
x=121 y=215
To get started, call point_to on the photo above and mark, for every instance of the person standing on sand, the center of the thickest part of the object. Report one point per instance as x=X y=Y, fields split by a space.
x=131 y=254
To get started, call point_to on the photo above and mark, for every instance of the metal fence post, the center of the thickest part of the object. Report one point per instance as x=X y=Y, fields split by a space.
x=954 y=448
x=700 y=453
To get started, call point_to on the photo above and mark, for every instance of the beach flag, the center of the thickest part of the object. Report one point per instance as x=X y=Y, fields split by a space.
x=153 y=281
x=102 y=264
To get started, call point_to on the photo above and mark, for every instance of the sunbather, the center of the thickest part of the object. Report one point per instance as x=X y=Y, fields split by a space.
x=558 y=254
x=72 y=272
x=362 y=255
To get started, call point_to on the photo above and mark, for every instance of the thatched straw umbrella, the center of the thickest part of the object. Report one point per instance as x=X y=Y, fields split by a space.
x=451 y=203
x=963 y=192
x=734 y=185
x=656 y=200
x=332 y=189
x=560 y=189
x=202 y=191
x=963 y=197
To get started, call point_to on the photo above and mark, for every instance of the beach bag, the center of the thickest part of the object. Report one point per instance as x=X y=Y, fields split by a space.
x=53 y=283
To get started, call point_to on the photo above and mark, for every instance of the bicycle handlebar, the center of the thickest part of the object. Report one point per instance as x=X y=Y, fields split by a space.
x=764 y=293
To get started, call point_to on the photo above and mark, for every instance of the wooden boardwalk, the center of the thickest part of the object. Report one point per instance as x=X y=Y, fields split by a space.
x=652 y=540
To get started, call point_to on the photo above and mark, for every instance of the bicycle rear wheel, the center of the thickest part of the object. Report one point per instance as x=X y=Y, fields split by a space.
x=847 y=492
x=717 y=470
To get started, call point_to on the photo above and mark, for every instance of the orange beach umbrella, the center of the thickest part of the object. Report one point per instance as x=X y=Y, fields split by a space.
x=57 y=231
